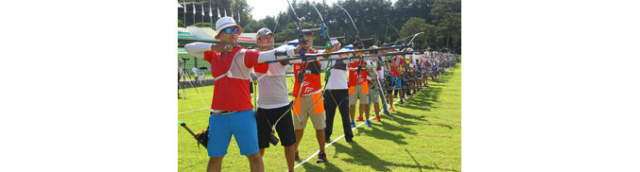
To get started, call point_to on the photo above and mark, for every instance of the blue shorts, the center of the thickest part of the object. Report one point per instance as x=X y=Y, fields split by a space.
x=240 y=124
x=397 y=81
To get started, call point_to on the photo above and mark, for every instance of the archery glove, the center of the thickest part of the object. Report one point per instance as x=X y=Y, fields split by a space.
x=203 y=137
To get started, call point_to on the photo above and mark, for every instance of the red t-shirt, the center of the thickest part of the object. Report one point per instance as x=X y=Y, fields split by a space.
x=396 y=61
x=353 y=80
x=311 y=82
x=230 y=94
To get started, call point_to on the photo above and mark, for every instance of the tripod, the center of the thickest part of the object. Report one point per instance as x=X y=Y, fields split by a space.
x=184 y=74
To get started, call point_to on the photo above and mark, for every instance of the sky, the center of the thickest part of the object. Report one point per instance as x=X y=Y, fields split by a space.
x=264 y=8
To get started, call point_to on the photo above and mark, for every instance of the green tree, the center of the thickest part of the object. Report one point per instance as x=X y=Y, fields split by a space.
x=412 y=26
x=447 y=17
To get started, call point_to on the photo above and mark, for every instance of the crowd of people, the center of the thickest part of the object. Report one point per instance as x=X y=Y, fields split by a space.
x=348 y=82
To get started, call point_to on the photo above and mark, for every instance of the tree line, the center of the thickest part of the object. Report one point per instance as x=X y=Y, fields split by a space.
x=440 y=20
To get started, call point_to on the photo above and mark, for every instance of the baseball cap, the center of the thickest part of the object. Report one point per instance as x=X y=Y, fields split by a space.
x=263 y=32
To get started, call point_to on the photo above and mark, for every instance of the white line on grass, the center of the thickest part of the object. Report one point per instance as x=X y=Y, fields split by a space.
x=326 y=146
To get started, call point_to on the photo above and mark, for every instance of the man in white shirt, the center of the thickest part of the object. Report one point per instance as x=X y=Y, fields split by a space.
x=337 y=96
x=273 y=101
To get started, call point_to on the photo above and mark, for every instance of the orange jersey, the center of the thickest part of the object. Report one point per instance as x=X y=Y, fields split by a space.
x=311 y=82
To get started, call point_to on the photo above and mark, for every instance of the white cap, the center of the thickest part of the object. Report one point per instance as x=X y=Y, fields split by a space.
x=334 y=41
x=226 y=22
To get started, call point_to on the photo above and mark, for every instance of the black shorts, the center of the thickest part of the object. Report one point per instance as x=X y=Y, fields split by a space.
x=265 y=118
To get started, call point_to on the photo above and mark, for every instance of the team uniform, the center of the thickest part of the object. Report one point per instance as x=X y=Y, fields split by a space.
x=273 y=104
x=231 y=108
x=358 y=87
x=395 y=74
x=337 y=96
x=310 y=102
x=232 y=112
x=379 y=73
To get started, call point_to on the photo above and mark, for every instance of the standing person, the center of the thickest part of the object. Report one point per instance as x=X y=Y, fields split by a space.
x=427 y=68
x=389 y=84
x=432 y=65
x=231 y=109
x=396 y=82
x=337 y=96
x=273 y=101
x=399 y=62
x=309 y=103
x=378 y=75
x=358 y=90
x=407 y=65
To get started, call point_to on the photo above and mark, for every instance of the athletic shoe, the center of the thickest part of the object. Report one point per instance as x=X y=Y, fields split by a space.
x=297 y=156
x=401 y=102
x=368 y=123
x=377 y=118
x=322 y=157
x=359 y=118
x=327 y=140
x=391 y=108
x=353 y=124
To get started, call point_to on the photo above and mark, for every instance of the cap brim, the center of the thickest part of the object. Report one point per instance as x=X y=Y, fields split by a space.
x=226 y=26
x=265 y=35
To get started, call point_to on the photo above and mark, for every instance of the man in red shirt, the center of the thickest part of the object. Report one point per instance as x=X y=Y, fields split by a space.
x=309 y=103
x=358 y=89
x=231 y=109
x=396 y=82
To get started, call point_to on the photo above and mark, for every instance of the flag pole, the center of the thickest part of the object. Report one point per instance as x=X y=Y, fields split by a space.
x=194 y=13
x=210 y=14
x=184 y=14
x=202 y=18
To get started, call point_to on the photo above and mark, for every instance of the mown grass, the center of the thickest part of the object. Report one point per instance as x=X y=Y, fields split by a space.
x=424 y=135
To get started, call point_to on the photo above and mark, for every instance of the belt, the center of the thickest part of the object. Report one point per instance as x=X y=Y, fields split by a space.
x=221 y=112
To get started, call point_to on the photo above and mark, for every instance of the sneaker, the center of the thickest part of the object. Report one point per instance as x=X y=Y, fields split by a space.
x=378 y=118
x=353 y=124
x=368 y=123
x=297 y=156
x=327 y=140
x=322 y=157
x=391 y=108
x=359 y=118
x=401 y=102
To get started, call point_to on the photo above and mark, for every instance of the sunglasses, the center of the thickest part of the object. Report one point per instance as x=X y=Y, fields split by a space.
x=229 y=30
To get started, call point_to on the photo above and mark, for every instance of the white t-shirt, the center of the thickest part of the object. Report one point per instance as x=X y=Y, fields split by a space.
x=380 y=73
x=272 y=87
x=338 y=79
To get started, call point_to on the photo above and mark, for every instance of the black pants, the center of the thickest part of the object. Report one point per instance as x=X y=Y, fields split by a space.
x=337 y=99
x=266 y=118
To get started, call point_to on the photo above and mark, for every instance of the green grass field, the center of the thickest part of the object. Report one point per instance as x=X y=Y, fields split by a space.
x=425 y=135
